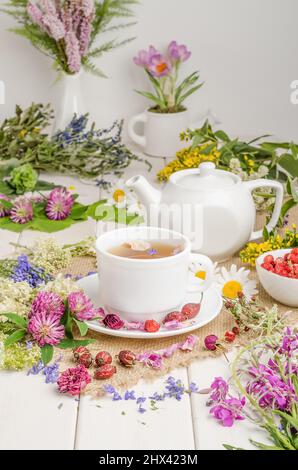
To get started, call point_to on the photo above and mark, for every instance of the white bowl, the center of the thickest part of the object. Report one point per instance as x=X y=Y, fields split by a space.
x=282 y=289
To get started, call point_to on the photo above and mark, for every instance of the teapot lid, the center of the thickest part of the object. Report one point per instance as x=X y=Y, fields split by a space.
x=206 y=177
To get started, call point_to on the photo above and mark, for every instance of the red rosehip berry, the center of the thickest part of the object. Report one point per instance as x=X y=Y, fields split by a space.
x=269 y=259
x=105 y=372
x=85 y=360
x=174 y=316
x=236 y=330
x=190 y=310
x=127 y=358
x=77 y=352
x=102 y=358
x=151 y=326
x=230 y=336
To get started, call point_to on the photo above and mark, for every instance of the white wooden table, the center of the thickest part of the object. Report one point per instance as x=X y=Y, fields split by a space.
x=34 y=416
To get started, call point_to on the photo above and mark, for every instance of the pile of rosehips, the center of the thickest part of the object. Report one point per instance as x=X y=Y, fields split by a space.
x=103 y=361
x=187 y=312
x=286 y=266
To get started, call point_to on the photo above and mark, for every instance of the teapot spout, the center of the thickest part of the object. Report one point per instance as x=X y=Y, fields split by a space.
x=147 y=194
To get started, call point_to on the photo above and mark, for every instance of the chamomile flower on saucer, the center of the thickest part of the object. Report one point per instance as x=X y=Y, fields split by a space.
x=233 y=281
x=197 y=271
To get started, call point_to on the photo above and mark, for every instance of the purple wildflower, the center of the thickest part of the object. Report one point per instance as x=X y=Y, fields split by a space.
x=46 y=328
x=219 y=389
x=59 y=204
x=51 y=373
x=47 y=303
x=81 y=306
x=24 y=271
x=116 y=396
x=159 y=66
x=178 y=53
x=129 y=395
x=22 y=211
x=3 y=210
x=72 y=50
x=109 y=389
x=143 y=58
x=54 y=26
x=228 y=411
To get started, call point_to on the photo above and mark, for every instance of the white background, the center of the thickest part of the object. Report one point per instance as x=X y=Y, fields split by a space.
x=246 y=51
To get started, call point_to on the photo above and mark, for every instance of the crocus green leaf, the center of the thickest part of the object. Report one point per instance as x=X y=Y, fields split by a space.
x=83 y=327
x=14 y=337
x=47 y=352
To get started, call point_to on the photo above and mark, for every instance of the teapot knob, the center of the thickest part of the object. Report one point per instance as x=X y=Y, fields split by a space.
x=206 y=168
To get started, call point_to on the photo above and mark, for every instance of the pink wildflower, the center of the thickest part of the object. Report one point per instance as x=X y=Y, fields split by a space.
x=3 y=210
x=22 y=210
x=73 y=380
x=46 y=328
x=81 y=306
x=72 y=52
x=59 y=205
x=47 y=303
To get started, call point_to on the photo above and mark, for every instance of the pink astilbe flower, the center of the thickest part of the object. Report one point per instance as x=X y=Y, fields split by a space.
x=59 y=205
x=73 y=380
x=81 y=306
x=88 y=8
x=54 y=26
x=46 y=328
x=22 y=210
x=178 y=52
x=72 y=49
x=35 y=14
x=47 y=303
x=85 y=35
x=3 y=210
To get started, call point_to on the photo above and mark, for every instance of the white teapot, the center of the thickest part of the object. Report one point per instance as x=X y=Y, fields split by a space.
x=214 y=206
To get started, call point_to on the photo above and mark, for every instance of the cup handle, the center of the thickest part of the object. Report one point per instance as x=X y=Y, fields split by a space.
x=207 y=266
x=253 y=184
x=138 y=139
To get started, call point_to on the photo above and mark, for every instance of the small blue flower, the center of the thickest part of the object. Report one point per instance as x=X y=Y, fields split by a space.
x=52 y=373
x=152 y=252
x=129 y=395
x=33 y=275
x=141 y=409
x=109 y=389
x=193 y=388
x=116 y=396
x=141 y=400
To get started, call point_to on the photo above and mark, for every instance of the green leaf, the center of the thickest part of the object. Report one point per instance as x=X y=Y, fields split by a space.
x=73 y=343
x=290 y=419
x=259 y=445
x=83 y=327
x=47 y=352
x=16 y=319
x=188 y=93
x=5 y=188
x=221 y=135
x=151 y=97
x=14 y=337
x=288 y=164
x=44 y=186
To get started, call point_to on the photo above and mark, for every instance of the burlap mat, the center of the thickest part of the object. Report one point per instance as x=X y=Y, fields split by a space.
x=126 y=377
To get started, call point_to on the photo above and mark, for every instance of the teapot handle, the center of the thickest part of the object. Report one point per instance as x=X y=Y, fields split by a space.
x=253 y=184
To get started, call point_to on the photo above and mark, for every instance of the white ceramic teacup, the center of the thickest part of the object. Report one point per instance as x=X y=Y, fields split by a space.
x=142 y=289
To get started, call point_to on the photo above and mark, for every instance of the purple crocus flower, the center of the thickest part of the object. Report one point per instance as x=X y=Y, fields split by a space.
x=159 y=66
x=178 y=53
x=143 y=58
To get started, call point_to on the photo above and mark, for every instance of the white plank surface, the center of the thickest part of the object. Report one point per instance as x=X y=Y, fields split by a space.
x=169 y=427
x=28 y=405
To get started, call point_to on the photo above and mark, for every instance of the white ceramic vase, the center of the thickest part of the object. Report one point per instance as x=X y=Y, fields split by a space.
x=69 y=100
x=161 y=136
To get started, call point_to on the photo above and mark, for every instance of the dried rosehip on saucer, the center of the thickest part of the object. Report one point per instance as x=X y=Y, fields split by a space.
x=102 y=358
x=127 y=358
x=174 y=316
x=105 y=372
x=151 y=326
x=190 y=310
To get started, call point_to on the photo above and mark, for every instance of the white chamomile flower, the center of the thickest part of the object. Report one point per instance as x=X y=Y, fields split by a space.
x=197 y=270
x=123 y=198
x=231 y=282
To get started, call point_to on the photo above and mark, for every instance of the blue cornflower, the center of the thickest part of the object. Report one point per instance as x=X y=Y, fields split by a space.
x=52 y=373
x=129 y=395
x=141 y=409
x=157 y=397
x=141 y=400
x=36 y=368
x=33 y=275
x=109 y=389
x=116 y=396
x=193 y=388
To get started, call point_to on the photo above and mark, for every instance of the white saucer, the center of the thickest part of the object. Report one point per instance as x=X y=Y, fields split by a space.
x=210 y=309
